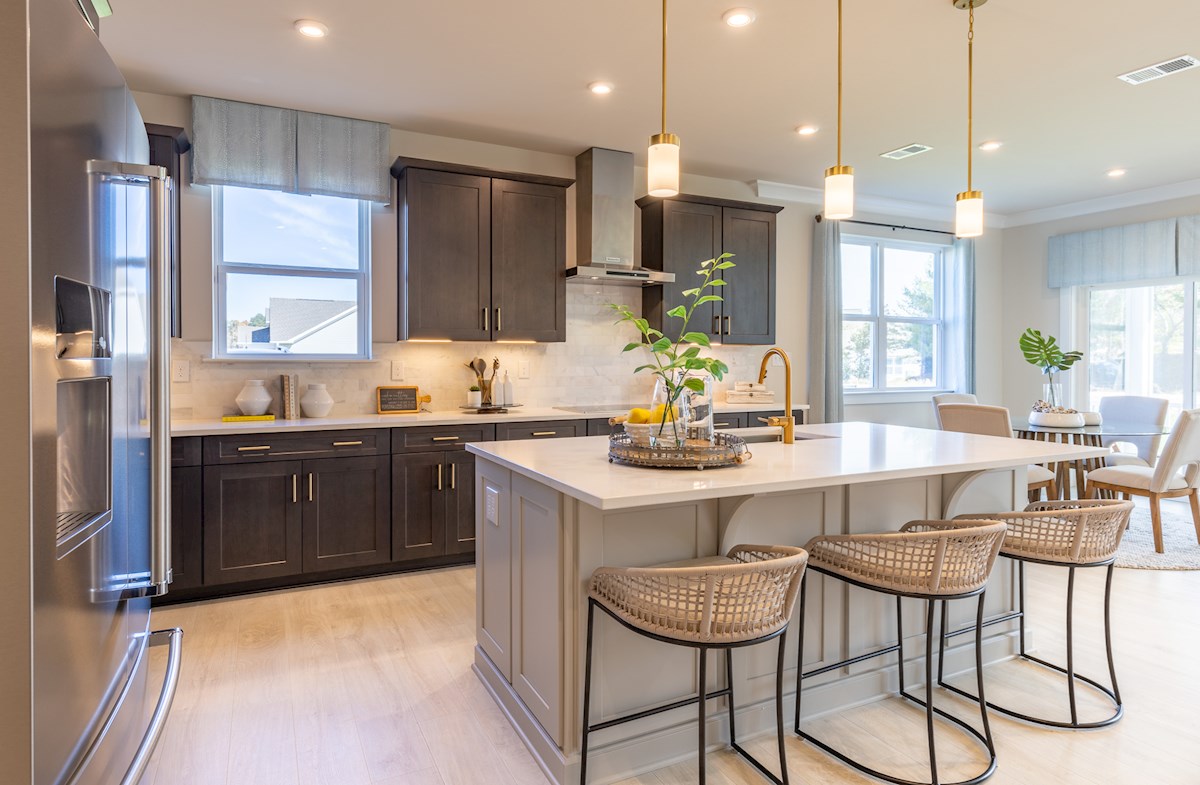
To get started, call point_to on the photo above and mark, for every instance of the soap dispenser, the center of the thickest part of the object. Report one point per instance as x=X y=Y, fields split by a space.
x=507 y=387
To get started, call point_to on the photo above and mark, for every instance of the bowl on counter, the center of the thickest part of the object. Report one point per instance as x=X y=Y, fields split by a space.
x=1056 y=419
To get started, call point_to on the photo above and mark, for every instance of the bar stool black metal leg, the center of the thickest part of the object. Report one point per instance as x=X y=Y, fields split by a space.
x=800 y=651
x=1071 y=643
x=1021 y=601
x=587 y=694
x=900 y=641
x=942 y=644
x=729 y=686
x=1112 y=668
x=983 y=705
x=778 y=707
x=703 y=701
x=929 y=690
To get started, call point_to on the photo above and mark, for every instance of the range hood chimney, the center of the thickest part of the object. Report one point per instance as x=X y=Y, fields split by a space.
x=604 y=222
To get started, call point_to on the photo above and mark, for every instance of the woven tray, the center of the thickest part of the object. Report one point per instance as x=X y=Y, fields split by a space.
x=726 y=450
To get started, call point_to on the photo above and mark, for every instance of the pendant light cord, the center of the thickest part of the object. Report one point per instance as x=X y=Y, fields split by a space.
x=970 y=89
x=839 y=96
x=664 y=66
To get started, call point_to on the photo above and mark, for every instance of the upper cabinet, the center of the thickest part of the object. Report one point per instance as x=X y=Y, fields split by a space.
x=482 y=253
x=167 y=146
x=681 y=232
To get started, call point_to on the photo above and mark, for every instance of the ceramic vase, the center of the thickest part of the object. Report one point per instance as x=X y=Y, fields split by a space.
x=316 y=401
x=254 y=399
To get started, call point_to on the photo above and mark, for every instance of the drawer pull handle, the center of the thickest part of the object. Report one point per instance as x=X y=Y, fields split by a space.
x=259 y=448
x=545 y=433
x=348 y=444
x=445 y=438
x=723 y=425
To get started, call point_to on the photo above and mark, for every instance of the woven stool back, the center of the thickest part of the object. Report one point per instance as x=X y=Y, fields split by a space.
x=1084 y=531
x=750 y=596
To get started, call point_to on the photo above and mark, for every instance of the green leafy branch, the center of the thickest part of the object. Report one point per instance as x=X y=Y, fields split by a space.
x=670 y=357
x=1044 y=352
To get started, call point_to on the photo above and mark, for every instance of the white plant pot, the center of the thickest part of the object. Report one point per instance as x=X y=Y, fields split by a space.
x=474 y=398
x=254 y=399
x=1056 y=420
x=316 y=401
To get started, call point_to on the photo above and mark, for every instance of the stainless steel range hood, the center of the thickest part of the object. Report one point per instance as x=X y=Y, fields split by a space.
x=604 y=222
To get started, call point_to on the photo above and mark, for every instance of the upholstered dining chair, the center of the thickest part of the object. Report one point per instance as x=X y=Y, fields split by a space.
x=942 y=398
x=1175 y=474
x=994 y=421
x=1133 y=410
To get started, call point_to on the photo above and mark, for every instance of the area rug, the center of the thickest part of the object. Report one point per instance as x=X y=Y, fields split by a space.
x=1179 y=539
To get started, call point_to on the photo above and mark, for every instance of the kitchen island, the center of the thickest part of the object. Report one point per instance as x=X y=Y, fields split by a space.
x=548 y=513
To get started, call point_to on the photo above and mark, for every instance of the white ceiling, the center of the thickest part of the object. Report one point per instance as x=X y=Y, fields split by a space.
x=514 y=72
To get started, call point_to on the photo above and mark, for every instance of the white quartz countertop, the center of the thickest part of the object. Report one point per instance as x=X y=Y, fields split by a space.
x=452 y=417
x=850 y=453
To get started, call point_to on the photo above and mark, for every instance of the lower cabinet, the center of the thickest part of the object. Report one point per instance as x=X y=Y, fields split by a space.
x=347 y=513
x=433 y=504
x=186 y=504
x=252 y=521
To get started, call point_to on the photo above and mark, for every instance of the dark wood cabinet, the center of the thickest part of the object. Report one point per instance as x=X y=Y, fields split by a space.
x=681 y=232
x=168 y=143
x=598 y=426
x=460 y=502
x=418 y=505
x=347 y=512
x=550 y=429
x=186 y=505
x=482 y=253
x=252 y=521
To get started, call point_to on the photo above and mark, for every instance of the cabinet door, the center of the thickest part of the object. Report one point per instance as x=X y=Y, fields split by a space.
x=419 y=485
x=529 y=248
x=252 y=523
x=691 y=234
x=186 y=497
x=460 y=502
x=347 y=514
x=445 y=256
x=748 y=312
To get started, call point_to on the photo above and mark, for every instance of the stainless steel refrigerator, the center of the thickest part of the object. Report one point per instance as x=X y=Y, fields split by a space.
x=97 y=425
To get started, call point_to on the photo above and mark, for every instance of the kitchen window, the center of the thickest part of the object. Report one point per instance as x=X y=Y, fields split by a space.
x=893 y=315
x=292 y=275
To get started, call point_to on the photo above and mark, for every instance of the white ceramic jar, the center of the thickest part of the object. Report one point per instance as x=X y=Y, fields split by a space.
x=254 y=399
x=316 y=401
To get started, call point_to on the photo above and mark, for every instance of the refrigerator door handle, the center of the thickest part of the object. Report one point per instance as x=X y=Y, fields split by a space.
x=173 y=637
x=159 y=410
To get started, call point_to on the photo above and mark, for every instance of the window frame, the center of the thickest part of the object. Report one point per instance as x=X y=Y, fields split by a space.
x=222 y=269
x=880 y=321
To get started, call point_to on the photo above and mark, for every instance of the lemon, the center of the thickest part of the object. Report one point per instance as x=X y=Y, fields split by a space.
x=637 y=416
x=656 y=415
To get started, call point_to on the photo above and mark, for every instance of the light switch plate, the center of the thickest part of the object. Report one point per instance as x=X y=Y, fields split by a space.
x=397 y=370
x=523 y=369
x=181 y=371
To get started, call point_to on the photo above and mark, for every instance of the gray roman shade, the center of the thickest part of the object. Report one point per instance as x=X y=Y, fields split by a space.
x=1134 y=252
x=256 y=146
x=1189 y=245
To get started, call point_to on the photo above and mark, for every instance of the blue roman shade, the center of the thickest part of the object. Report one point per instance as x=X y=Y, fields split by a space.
x=1134 y=252
x=254 y=146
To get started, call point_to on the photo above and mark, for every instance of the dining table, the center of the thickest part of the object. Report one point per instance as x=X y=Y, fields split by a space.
x=1087 y=435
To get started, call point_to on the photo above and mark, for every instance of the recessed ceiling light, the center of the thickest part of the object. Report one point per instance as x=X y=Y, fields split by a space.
x=738 y=17
x=601 y=88
x=311 y=28
x=807 y=130
x=988 y=147
x=1115 y=172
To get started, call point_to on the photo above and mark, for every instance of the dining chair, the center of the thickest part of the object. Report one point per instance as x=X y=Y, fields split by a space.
x=994 y=421
x=1133 y=410
x=943 y=398
x=1175 y=474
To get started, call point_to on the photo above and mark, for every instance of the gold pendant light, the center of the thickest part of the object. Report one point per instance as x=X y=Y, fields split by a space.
x=839 y=180
x=968 y=210
x=662 y=159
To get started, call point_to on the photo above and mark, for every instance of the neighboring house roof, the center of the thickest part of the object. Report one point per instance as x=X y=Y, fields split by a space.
x=293 y=319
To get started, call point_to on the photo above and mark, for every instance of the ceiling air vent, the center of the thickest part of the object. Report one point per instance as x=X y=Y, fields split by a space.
x=908 y=151
x=1151 y=72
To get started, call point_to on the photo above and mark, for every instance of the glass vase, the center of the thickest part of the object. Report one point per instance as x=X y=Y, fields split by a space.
x=701 y=422
x=669 y=415
x=1053 y=394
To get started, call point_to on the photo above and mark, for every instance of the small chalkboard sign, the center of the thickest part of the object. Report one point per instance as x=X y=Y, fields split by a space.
x=398 y=400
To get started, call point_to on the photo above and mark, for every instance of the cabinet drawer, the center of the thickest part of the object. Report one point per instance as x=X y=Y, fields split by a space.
x=599 y=426
x=540 y=430
x=251 y=447
x=185 y=451
x=440 y=437
x=723 y=420
x=754 y=421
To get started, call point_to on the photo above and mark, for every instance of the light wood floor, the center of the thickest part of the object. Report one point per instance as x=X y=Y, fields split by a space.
x=370 y=683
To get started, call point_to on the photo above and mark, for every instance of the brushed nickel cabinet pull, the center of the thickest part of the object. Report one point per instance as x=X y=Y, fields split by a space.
x=498 y=322
x=545 y=433
x=259 y=448
x=348 y=444
x=445 y=438
x=728 y=325
x=716 y=325
x=439 y=477
x=723 y=425
x=310 y=486
x=295 y=488
x=453 y=476
x=486 y=326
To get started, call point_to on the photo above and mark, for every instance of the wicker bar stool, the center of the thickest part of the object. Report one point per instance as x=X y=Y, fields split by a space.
x=1071 y=534
x=725 y=603
x=935 y=561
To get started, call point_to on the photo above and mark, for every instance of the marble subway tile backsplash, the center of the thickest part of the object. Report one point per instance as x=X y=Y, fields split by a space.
x=587 y=368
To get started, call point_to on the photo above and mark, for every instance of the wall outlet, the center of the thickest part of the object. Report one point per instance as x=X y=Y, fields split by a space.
x=397 y=370
x=181 y=371
x=523 y=369
x=491 y=512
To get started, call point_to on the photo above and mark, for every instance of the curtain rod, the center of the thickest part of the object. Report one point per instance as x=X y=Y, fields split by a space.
x=891 y=226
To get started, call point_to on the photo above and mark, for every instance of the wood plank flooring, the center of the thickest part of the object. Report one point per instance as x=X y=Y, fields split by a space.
x=370 y=683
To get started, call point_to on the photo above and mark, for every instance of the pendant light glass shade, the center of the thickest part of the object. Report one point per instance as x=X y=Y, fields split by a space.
x=662 y=165
x=839 y=192
x=968 y=214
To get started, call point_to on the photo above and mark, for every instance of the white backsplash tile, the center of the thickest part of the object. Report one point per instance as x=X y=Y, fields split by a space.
x=587 y=368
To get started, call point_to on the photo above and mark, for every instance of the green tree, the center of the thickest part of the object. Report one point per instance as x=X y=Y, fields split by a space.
x=914 y=339
x=258 y=320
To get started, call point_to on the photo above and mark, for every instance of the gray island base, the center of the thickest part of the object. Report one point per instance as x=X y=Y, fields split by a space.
x=548 y=513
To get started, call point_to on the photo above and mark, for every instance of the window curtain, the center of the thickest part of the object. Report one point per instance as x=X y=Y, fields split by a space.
x=825 y=323
x=1189 y=245
x=1134 y=252
x=960 y=317
x=256 y=146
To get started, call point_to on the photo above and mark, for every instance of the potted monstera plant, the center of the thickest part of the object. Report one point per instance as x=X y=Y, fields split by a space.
x=1044 y=352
